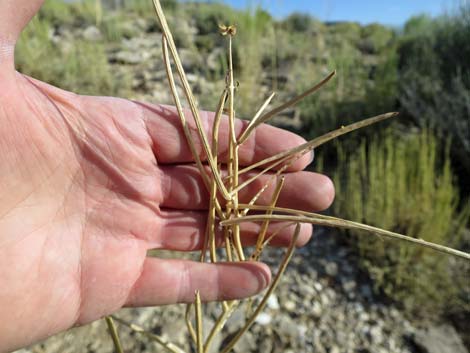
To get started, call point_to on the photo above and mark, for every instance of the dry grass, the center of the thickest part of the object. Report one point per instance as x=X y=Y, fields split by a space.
x=230 y=216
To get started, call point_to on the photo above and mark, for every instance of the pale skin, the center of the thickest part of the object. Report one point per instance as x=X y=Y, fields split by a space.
x=89 y=184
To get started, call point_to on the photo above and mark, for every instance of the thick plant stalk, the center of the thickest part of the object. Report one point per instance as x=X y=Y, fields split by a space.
x=114 y=334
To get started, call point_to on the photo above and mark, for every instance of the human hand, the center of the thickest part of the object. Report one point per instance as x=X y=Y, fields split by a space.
x=89 y=184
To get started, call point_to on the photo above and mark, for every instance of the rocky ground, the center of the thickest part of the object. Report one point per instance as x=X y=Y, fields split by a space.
x=323 y=304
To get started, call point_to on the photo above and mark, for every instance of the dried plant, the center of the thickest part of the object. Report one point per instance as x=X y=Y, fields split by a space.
x=230 y=214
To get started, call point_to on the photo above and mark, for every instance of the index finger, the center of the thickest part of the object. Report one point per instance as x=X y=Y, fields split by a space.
x=170 y=145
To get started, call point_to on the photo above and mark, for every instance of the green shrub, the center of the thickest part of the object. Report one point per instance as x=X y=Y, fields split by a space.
x=297 y=22
x=375 y=38
x=56 y=12
x=405 y=185
x=435 y=79
x=79 y=66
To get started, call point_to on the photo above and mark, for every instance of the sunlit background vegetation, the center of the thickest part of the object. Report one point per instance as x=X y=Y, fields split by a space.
x=409 y=176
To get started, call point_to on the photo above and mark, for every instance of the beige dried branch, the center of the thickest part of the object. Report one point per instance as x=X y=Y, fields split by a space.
x=262 y=119
x=328 y=221
x=272 y=287
x=114 y=334
x=170 y=347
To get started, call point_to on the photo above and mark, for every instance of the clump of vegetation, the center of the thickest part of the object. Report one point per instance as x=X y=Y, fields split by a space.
x=435 y=79
x=80 y=66
x=405 y=185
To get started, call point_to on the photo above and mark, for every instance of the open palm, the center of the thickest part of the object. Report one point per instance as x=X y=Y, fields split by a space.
x=89 y=184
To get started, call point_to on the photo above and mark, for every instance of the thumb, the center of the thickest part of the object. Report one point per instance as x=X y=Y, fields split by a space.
x=14 y=16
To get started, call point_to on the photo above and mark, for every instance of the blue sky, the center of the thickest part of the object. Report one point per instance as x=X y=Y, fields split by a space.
x=389 y=12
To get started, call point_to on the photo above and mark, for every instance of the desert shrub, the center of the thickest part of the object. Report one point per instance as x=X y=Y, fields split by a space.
x=34 y=50
x=405 y=184
x=87 y=12
x=207 y=17
x=145 y=8
x=79 y=66
x=435 y=79
x=254 y=41
x=56 y=12
x=94 y=79
x=297 y=22
x=375 y=38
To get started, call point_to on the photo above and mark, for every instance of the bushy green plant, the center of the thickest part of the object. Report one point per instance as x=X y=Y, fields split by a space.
x=375 y=38
x=298 y=22
x=435 y=79
x=56 y=12
x=405 y=184
x=81 y=66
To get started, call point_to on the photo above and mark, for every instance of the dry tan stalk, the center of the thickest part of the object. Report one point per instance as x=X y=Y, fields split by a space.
x=288 y=104
x=297 y=152
x=114 y=334
x=254 y=123
x=170 y=347
x=327 y=221
x=310 y=145
x=198 y=310
x=189 y=324
x=272 y=287
x=233 y=144
x=275 y=234
x=168 y=39
x=219 y=324
x=264 y=227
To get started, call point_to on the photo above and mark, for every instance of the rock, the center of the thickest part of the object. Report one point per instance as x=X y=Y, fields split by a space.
x=331 y=269
x=273 y=303
x=288 y=327
x=439 y=339
x=92 y=34
x=190 y=59
x=290 y=306
x=317 y=309
x=376 y=335
x=349 y=286
x=263 y=319
x=247 y=343
x=128 y=57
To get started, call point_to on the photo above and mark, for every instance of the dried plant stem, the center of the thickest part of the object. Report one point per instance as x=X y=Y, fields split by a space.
x=114 y=334
x=308 y=146
x=296 y=153
x=170 y=44
x=284 y=106
x=327 y=221
x=233 y=152
x=219 y=324
x=198 y=310
x=264 y=227
x=254 y=123
x=274 y=283
x=170 y=347
x=189 y=324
